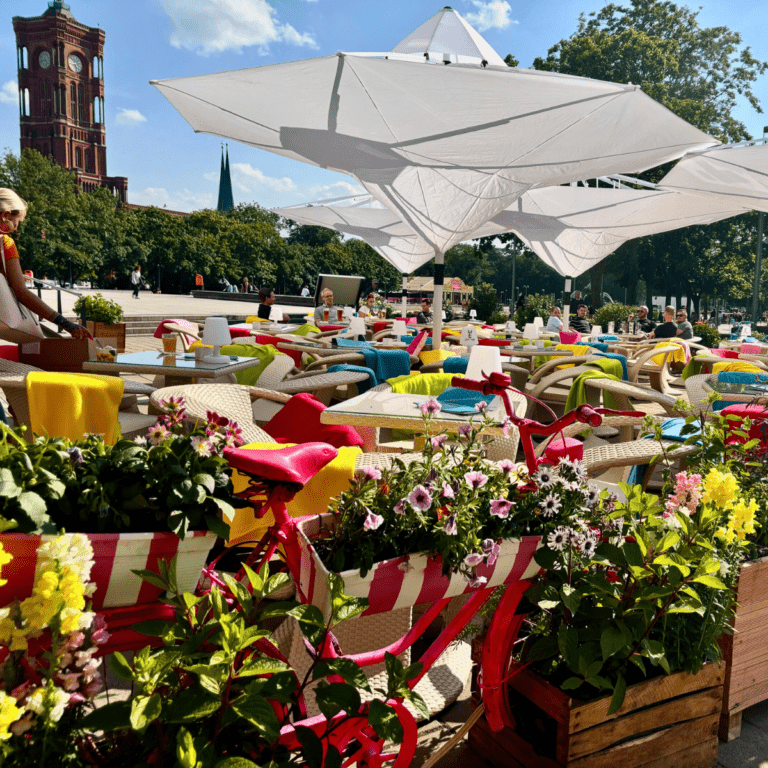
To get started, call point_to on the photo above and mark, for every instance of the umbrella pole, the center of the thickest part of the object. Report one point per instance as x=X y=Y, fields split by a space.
x=437 y=300
x=404 y=294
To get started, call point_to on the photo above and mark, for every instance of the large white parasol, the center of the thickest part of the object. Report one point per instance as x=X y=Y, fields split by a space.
x=445 y=147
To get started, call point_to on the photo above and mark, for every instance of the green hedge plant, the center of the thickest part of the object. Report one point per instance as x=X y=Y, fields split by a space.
x=536 y=305
x=616 y=312
x=99 y=309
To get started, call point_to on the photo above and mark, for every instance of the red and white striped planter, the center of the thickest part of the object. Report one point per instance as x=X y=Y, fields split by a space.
x=408 y=580
x=115 y=556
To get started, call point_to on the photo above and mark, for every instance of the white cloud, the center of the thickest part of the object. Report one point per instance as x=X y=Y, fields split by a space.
x=180 y=200
x=337 y=189
x=490 y=14
x=129 y=117
x=9 y=93
x=229 y=25
x=246 y=178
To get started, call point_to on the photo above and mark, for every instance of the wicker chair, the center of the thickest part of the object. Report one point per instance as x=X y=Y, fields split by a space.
x=235 y=402
x=699 y=389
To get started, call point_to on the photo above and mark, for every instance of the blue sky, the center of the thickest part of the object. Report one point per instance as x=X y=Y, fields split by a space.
x=167 y=164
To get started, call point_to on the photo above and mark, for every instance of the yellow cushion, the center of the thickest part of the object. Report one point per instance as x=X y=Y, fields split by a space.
x=255 y=319
x=434 y=355
x=736 y=365
x=73 y=404
x=313 y=499
x=678 y=356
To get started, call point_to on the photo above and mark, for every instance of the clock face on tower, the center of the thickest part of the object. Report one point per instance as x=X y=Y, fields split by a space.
x=75 y=63
x=44 y=59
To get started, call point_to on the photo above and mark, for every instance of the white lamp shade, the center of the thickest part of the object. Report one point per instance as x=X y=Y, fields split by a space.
x=356 y=327
x=216 y=332
x=596 y=330
x=483 y=361
x=530 y=331
x=468 y=336
x=538 y=322
x=510 y=327
x=399 y=328
x=473 y=314
x=348 y=313
x=443 y=314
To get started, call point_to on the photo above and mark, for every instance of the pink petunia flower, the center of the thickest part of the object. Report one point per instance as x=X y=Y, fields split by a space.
x=447 y=491
x=438 y=441
x=476 y=479
x=419 y=498
x=372 y=521
x=473 y=559
x=449 y=526
x=370 y=473
x=491 y=550
x=430 y=408
x=500 y=508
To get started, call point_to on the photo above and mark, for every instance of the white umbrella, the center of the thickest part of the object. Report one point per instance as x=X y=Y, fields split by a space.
x=738 y=175
x=445 y=147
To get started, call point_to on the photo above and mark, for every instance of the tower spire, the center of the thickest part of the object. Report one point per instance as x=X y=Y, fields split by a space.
x=226 y=201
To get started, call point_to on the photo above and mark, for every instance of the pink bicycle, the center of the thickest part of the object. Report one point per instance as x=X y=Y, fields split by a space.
x=278 y=475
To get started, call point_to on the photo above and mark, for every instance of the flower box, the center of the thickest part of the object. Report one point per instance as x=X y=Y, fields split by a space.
x=746 y=651
x=666 y=722
x=409 y=580
x=115 y=556
x=108 y=335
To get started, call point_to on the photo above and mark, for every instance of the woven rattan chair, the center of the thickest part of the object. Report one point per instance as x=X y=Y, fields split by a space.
x=623 y=392
x=699 y=389
x=235 y=402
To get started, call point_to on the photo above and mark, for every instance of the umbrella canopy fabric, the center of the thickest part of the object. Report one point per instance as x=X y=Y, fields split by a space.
x=738 y=175
x=446 y=147
x=569 y=228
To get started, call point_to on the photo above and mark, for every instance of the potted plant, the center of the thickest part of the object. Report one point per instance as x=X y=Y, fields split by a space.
x=103 y=319
x=626 y=617
x=138 y=501
x=216 y=692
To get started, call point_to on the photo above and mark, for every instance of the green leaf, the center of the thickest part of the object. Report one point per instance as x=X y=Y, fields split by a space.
x=157 y=628
x=8 y=487
x=333 y=698
x=671 y=539
x=145 y=709
x=218 y=526
x=612 y=640
x=236 y=762
x=543 y=647
x=312 y=747
x=34 y=506
x=568 y=643
x=206 y=481
x=258 y=711
x=709 y=580
x=152 y=577
x=311 y=622
x=185 y=749
x=261 y=665
x=571 y=597
x=110 y=717
x=344 y=607
x=571 y=683
x=190 y=705
x=345 y=668
x=120 y=666
x=385 y=722
x=619 y=691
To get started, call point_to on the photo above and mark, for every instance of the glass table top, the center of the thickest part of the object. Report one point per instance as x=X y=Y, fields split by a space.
x=756 y=388
x=178 y=360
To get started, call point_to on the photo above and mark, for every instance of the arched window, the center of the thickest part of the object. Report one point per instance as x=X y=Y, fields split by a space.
x=96 y=112
x=81 y=103
x=78 y=157
x=73 y=100
x=26 y=101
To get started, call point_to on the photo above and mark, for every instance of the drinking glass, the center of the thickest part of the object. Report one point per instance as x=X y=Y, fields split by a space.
x=169 y=343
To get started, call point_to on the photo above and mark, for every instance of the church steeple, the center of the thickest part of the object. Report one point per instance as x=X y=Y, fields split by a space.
x=226 y=201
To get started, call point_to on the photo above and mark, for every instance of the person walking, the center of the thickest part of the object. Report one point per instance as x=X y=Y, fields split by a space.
x=305 y=291
x=136 y=280
x=13 y=211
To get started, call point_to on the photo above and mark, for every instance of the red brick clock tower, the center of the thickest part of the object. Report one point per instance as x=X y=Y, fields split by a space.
x=61 y=94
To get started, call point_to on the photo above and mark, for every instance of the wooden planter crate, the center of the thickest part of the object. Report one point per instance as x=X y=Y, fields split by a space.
x=746 y=651
x=104 y=332
x=666 y=722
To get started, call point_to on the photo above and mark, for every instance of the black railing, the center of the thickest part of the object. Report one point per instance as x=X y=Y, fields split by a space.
x=47 y=284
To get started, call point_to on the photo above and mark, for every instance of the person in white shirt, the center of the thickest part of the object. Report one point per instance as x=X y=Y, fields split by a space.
x=366 y=307
x=305 y=291
x=555 y=322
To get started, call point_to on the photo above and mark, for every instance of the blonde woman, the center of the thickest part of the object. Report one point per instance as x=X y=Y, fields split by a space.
x=13 y=211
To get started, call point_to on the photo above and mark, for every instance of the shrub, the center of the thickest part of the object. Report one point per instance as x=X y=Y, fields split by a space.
x=498 y=317
x=709 y=336
x=484 y=301
x=616 y=312
x=536 y=305
x=98 y=309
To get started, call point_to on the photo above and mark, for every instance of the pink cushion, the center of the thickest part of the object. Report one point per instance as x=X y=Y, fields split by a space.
x=750 y=349
x=731 y=354
x=298 y=421
x=570 y=337
x=377 y=327
x=417 y=344
x=237 y=333
x=559 y=448
x=332 y=327
x=494 y=342
x=759 y=416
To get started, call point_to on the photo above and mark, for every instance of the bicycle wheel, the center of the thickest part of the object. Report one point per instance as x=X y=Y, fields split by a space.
x=497 y=652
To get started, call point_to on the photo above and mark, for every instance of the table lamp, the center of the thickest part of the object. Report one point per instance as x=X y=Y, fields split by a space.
x=530 y=331
x=596 y=331
x=443 y=314
x=539 y=323
x=482 y=362
x=473 y=314
x=510 y=327
x=348 y=313
x=216 y=334
x=399 y=328
x=468 y=336
x=356 y=328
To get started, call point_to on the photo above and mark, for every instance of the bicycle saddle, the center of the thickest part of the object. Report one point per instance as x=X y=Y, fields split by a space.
x=292 y=464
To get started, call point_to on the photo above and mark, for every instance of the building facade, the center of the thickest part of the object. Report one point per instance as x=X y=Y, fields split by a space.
x=61 y=95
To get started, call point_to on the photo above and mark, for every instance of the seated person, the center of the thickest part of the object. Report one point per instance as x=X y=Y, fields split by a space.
x=684 y=328
x=425 y=316
x=555 y=323
x=327 y=299
x=366 y=308
x=668 y=329
x=580 y=324
x=267 y=299
x=644 y=323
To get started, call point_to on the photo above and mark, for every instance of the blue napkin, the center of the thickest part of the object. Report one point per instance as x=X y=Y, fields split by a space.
x=595 y=345
x=365 y=384
x=455 y=364
x=408 y=339
x=607 y=337
x=670 y=430
x=387 y=363
x=622 y=359
x=458 y=400
x=737 y=377
x=337 y=341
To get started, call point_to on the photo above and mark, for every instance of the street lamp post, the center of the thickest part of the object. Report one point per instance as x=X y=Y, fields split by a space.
x=758 y=258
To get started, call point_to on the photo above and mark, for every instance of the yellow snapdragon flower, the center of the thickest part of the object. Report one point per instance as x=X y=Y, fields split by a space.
x=5 y=558
x=9 y=713
x=720 y=489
